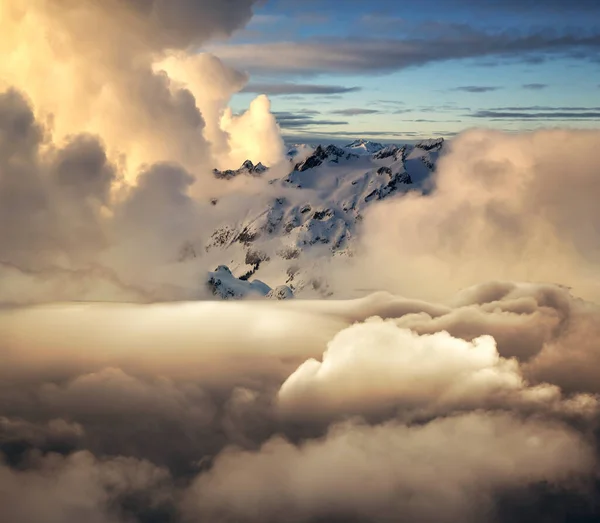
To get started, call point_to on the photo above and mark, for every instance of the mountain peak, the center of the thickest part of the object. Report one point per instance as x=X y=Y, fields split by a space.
x=247 y=168
x=364 y=146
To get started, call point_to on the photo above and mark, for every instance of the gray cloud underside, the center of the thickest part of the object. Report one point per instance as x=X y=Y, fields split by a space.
x=352 y=55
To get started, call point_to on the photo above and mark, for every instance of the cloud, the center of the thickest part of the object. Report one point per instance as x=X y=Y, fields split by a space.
x=219 y=407
x=359 y=55
x=534 y=87
x=425 y=473
x=161 y=411
x=355 y=111
x=546 y=115
x=377 y=367
x=64 y=490
x=303 y=119
x=74 y=226
x=521 y=218
x=533 y=5
x=128 y=74
x=275 y=89
x=545 y=108
x=476 y=88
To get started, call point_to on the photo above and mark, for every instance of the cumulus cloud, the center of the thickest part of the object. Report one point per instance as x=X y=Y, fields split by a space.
x=509 y=207
x=376 y=366
x=60 y=489
x=103 y=67
x=74 y=226
x=406 y=473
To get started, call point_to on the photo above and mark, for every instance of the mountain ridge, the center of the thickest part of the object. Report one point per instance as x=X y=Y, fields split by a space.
x=322 y=203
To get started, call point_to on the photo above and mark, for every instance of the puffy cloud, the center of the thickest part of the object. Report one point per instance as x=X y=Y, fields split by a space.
x=253 y=135
x=505 y=207
x=50 y=200
x=143 y=403
x=377 y=367
x=60 y=489
x=99 y=68
x=258 y=122
x=110 y=127
x=73 y=228
x=442 y=471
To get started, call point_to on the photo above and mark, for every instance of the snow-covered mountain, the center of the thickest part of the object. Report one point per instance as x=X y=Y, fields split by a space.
x=225 y=285
x=314 y=210
x=361 y=146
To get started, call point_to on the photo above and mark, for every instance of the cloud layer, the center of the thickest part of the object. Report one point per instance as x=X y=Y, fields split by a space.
x=171 y=415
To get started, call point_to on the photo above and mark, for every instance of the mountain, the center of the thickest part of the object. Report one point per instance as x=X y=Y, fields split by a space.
x=361 y=146
x=247 y=168
x=223 y=284
x=311 y=213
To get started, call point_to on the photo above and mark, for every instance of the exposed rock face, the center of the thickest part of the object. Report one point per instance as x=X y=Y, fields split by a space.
x=434 y=144
x=282 y=292
x=223 y=284
x=247 y=168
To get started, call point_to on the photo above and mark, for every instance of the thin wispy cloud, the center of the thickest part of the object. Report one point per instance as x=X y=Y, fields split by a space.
x=545 y=115
x=281 y=89
x=534 y=87
x=545 y=108
x=477 y=88
x=303 y=119
x=355 y=111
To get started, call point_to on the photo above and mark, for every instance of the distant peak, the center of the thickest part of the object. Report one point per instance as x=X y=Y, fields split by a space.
x=431 y=144
x=365 y=146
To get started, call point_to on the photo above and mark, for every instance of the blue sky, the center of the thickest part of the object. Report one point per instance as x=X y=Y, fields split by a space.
x=393 y=69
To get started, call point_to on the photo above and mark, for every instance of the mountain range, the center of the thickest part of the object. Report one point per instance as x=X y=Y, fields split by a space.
x=313 y=211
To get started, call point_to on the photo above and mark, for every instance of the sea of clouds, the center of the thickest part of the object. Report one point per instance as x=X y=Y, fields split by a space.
x=466 y=391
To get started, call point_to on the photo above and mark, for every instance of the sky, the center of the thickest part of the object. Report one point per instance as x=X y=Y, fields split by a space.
x=389 y=69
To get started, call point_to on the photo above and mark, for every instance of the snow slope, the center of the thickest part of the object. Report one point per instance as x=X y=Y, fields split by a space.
x=315 y=213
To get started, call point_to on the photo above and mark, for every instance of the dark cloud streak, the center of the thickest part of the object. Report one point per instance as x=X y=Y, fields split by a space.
x=558 y=115
x=281 y=89
x=359 y=55
x=534 y=86
x=476 y=88
x=355 y=111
